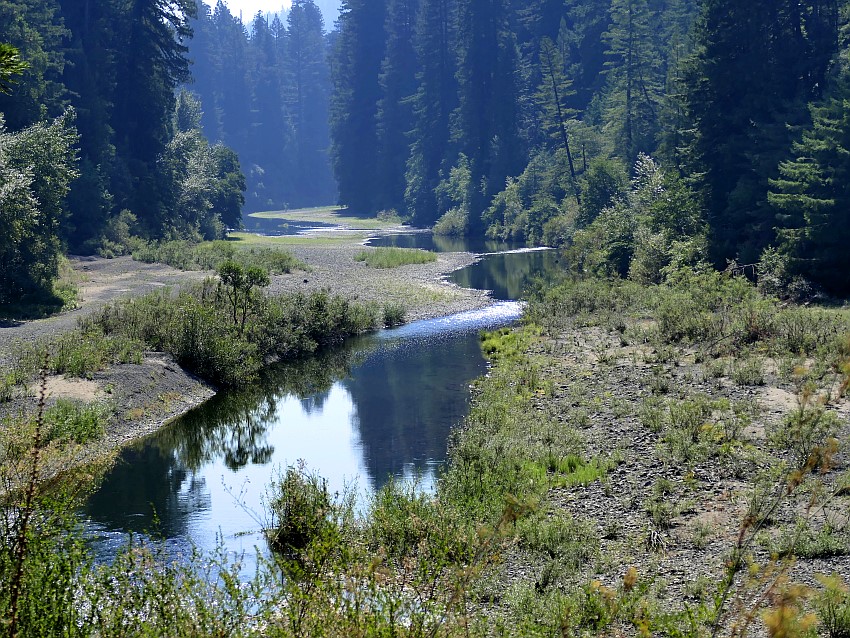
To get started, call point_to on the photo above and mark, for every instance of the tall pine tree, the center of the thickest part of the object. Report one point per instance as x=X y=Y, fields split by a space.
x=433 y=104
x=487 y=122
x=354 y=104
x=753 y=73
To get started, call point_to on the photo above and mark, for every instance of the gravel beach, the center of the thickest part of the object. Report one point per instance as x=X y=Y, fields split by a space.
x=146 y=396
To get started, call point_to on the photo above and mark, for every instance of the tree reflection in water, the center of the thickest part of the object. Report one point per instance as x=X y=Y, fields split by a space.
x=234 y=425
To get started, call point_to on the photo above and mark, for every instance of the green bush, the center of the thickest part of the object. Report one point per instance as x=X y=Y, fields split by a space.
x=574 y=543
x=68 y=420
x=454 y=223
x=805 y=433
x=197 y=327
x=302 y=510
x=832 y=605
x=394 y=314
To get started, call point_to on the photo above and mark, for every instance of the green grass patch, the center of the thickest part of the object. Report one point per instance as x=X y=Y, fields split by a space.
x=572 y=470
x=284 y=241
x=335 y=215
x=210 y=255
x=395 y=257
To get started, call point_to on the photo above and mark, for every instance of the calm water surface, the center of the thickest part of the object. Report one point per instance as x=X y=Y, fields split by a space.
x=383 y=406
x=278 y=227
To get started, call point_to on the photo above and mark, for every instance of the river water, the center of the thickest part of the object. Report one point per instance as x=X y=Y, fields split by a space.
x=382 y=406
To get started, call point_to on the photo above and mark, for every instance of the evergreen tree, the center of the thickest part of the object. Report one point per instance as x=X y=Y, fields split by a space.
x=11 y=65
x=308 y=97
x=269 y=132
x=635 y=78
x=354 y=104
x=433 y=104
x=35 y=28
x=487 y=122
x=753 y=73
x=232 y=91
x=552 y=95
x=150 y=66
x=395 y=112
x=812 y=196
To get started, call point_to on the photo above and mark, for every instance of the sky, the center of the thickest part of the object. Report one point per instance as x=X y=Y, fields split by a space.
x=249 y=8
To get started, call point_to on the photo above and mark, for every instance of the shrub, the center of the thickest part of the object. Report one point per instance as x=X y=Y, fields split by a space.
x=455 y=222
x=833 y=606
x=806 y=433
x=186 y=255
x=748 y=371
x=394 y=314
x=76 y=421
x=302 y=510
x=574 y=543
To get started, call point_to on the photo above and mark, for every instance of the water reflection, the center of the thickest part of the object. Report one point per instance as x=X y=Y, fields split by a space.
x=382 y=406
x=276 y=227
x=442 y=244
x=509 y=275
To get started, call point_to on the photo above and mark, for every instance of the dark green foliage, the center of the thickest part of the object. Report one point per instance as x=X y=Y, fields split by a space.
x=10 y=66
x=225 y=342
x=356 y=68
x=239 y=286
x=487 y=123
x=395 y=112
x=35 y=28
x=812 y=196
x=434 y=101
x=303 y=511
x=307 y=90
x=635 y=78
x=37 y=166
x=756 y=67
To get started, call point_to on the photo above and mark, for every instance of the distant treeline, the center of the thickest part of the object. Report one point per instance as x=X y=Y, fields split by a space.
x=265 y=90
x=662 y=131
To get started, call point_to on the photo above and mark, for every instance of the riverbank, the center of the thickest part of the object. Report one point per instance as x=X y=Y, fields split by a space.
x=143 y=396
x=681 y=455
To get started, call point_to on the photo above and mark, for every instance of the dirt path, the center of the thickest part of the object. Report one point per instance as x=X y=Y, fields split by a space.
x=99 y=281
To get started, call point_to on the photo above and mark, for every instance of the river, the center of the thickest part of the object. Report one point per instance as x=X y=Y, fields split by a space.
x=382 y=406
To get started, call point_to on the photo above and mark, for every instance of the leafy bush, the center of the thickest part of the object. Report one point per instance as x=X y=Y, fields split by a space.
x=833 y=606
x=806 y=433
x=68 y=420
x=394 y=314
x=453 y=223
x=748 y=371
x=575 y=543
x=197 y=327
x=302 y=510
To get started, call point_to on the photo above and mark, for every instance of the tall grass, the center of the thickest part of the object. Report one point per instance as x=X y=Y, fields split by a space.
x=186 y=255
x=395 y=257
